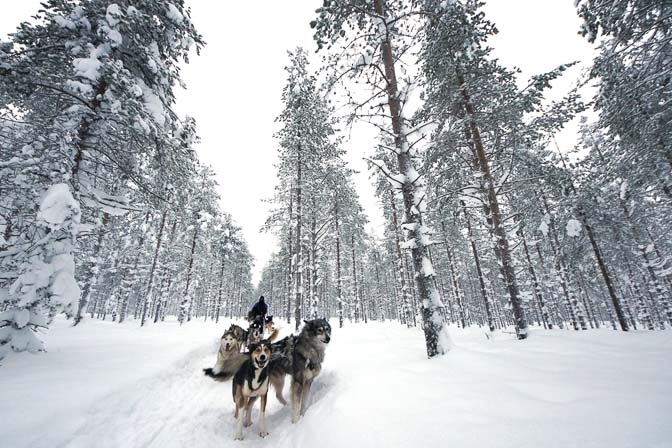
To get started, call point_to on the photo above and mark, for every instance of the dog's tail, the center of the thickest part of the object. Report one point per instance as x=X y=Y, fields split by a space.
x=229 y=368
x=219 y=376
x=274 y=335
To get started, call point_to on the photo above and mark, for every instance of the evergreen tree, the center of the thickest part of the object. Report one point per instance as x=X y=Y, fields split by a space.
x=381 y=37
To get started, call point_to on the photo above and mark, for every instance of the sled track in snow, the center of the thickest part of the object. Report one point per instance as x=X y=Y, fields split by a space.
x=182 y=407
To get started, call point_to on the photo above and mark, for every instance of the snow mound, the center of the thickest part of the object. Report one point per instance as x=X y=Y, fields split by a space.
x=573 y=228
x=58 y=205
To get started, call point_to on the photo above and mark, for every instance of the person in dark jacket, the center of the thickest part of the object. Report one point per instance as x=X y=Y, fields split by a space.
x=260 y=309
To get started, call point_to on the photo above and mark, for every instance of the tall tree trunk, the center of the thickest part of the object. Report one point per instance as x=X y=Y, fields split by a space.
x=432 y=323
x=206 y=300
x=409 y=315
x=127 y=279
x=479 y=271
x=502 y=249
x=299 y=245
x=603 y=269
x=242 y=311
x=339 y=281
x=162 y=302
x=188 y=297
x=378 y=303
x=663 y=263
x=84 y=142
x=661 y=297
x=653 y=278
x=573 y=307
x=150 y=282
x=271 y=292
x=312 y=274
x=160 y=310
x=554 y=308
x=363 y=294
x=355 y=287
x=583 y=218
x=453 y=278
x=315 y=302
x=290 y=258
x=313 y=267
x=221 y=287
x=589 y=303
x=585 y=300
x=232 y=294
x=537 y=287
x=91 y=276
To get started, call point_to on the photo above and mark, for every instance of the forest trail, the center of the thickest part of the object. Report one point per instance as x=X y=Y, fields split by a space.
x=181 y=408
x=376 y=389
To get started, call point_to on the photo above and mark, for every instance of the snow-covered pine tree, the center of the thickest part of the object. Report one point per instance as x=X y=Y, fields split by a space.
x=309 y=156
x=108 y=73
x=482 y=114
x=371 y=37
x=385 y=191
x=632 y=73
x=631 y=140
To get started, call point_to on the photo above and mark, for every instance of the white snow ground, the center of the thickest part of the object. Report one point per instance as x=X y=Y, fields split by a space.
x=108 y=385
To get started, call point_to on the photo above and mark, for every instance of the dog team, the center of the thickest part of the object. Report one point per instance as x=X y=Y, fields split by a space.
x=255 y=363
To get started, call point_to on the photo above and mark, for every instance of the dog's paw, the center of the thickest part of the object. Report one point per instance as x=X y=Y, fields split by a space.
x=238 y=437
x=246 y=423
x=263 y=434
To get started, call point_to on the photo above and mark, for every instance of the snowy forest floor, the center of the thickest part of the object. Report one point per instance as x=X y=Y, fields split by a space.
x=108 y=385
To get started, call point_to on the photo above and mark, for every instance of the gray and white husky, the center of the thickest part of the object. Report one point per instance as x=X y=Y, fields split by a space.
x=301 y=357
x=229 y=358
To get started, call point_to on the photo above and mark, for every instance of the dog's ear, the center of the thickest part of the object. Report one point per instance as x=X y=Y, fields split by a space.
x=306 y=321
x=252 y=347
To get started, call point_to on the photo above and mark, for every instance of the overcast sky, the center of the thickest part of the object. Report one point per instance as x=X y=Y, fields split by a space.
x=234 y=88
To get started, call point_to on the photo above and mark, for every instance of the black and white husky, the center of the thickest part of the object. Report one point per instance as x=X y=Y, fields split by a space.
x=249 y=383
x=258 y=329
x=301 y=357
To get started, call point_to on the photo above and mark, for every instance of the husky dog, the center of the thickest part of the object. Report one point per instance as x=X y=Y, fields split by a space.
x=281 y=365
x=239 y=333
x=256 y=332
x=245 y=337
x=249 y=383
x=301 y=357
x=229 y=358
x=271 y=329
x=284 y=346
